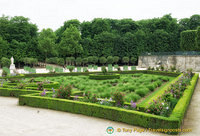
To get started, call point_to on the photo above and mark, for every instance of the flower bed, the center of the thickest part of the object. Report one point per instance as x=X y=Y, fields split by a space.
x=23 y=87
x=133 y=117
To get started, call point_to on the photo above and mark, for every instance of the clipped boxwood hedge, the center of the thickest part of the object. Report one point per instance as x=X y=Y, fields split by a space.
x=164 y=73
x=104 y=77
x=90 y=109
x=132 y=117
x=15 y=92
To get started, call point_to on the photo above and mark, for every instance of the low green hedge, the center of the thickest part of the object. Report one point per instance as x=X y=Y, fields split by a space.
x=15 y=92
x=132 y=117
x=183 y=103
x=54 y=85
x=90 y=109
x=173 y=74
x=104 y=77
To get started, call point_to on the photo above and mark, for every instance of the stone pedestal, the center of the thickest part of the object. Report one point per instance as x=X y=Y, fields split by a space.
x=12 y=68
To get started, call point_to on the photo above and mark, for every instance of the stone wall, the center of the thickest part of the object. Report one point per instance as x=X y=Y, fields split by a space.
x=181 y=62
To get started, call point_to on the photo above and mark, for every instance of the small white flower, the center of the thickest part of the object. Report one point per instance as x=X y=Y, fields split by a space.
x=163 y=103
x=167 y=108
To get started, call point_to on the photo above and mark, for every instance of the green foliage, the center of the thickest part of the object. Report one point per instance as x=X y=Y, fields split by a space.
x=5 y=62
x=78 y=61
x=125 y=60
x=104 y=77
x=118 y=97
x=103 y=60
x=198 y=38
x=46 y=42
x=188 y=40
x=104 y=70
x=142 y=91
x=133 y=60
x=132 y=97
x=115 y=59
x=64 y=92
x=110 y=60
x=69 y=44
x=30 y=61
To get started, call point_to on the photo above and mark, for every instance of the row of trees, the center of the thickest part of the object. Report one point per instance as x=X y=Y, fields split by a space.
x=100 y=37
x=94 y=60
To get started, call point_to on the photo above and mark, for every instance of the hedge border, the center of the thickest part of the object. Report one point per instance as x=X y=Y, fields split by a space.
x=132 y=117
x=183 y=103
x=16 y=92
x=142 y=119
x=173 y=74
x=104 y=77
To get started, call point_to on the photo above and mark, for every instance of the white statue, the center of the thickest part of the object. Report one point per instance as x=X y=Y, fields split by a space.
x=12 y=66
x=12 y=60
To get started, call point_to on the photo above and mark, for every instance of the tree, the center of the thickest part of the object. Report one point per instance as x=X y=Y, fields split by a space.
x=133 y=60
x=102 y=60
x=69 y=45
x=3 y=47
x=5 y=62
x=46 y=42
x=125 y=60
x=110 y=60
x=115 y=59
x=90 y=59
x=85 y=61
x=78 y=61
x=95 y=59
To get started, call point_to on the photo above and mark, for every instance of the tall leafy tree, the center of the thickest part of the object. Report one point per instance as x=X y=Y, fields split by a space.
x=70 y=42
x=46 y=42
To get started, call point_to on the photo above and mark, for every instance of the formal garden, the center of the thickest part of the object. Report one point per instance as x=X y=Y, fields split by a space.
x=146 y=98
x=90 y=68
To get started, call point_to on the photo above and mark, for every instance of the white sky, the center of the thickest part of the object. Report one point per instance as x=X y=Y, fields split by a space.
x=53 y=13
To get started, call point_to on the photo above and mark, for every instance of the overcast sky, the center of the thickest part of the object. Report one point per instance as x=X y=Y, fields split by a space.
x=53 y=13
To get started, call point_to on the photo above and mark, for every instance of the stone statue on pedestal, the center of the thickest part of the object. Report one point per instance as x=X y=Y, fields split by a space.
x=12 y=66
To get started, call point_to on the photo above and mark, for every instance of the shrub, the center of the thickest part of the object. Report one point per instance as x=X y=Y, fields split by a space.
x=188 y=40
x=4 y=72
x=71 y=68
x=40 y=86
x=118 y=97
x=131 y=88
x=103 y=70
x=116 y=66
x=151 y=87
x=5 y=62
x=110 y=60
x=125 y=60
x=115 y=59
x=133 y=60
x=85 y=61
x=78 y=61
x=90 y=59
x=64 y=92
x=132 y=97
x=142 y=91
x=95 y=59
x=103 y=60
x=159 y=83
x=198 y=38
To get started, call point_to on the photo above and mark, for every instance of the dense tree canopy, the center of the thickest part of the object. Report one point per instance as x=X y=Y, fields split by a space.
x=101 y=39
